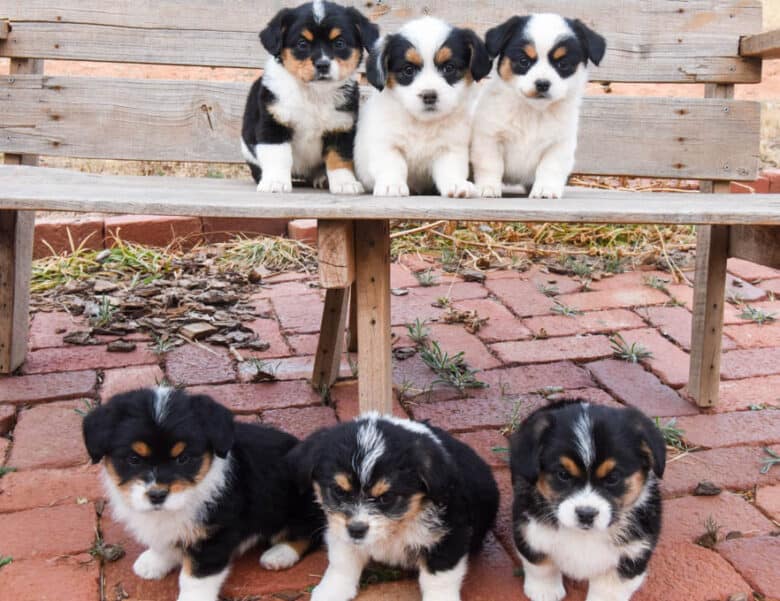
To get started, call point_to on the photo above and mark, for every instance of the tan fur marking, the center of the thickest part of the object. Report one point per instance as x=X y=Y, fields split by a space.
x=178 y=449
x=443 y=55
x=342 y=480
x=333 y=161
x=505 y=69
x=606 y=466
x=390 y=81
x=300 y=546
x=635 y=483
x=307 y=34
x=334 y=33
x=571 y=467
x=416 y=507
x=544 y=488
x=414 y=57
x=530 y=51
x=303 y=70
x=559 y=53
x=181 y=485
x=141 y=448
x=380 y=488
x=348 y=66
x=187 y=564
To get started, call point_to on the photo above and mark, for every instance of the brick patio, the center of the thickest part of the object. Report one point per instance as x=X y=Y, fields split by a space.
x=50 y=508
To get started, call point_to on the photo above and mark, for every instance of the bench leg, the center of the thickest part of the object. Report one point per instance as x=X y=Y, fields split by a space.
x=709 y=291
x=352 y=339
x=331 y=342
x=16 y=244
x=372 y=253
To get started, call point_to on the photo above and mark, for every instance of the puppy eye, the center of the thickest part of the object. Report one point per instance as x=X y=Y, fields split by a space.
x=183 y=459
x=133 y=459
x=409 y=70
x=385 y=499
x=612 y=478
x=524 y=61
x=563 y=475
x=339 y=44
x=564 y=65
x=302 y=44
x=448 y=69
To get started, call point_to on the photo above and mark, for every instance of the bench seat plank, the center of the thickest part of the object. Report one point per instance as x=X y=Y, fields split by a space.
x=62 y=190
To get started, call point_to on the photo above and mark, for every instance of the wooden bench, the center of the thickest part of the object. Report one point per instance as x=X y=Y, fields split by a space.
x=714 y=139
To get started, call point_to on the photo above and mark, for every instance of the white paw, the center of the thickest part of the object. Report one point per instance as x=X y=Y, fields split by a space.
x=267 y=185
x=152 y=565
x=489 y=190
x=544 y=590
x=461 y=189
x=342 y=181
x=279 y=557
x=391 y=190
x=543 y=189
x=331 y=591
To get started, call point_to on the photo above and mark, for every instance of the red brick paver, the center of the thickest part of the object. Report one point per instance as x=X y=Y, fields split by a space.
x=47 y=387
x=596 y=322
x=300 y=422
x=46 y=488
x=576 y=348
x=48 y=437
x=7 y=418
x=756 y=559
x=731 y=429
x=129 y=378
x=48 y=532
x=80 y=358
x=768 y=499
x=749 y=363
x=255 y=398
x=190 y=365
x=52 y=579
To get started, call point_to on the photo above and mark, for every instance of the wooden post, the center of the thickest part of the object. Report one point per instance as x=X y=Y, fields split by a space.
x=375 y=373
x=352 y=338
x=16 y=243
x=336 y=253
x=331 y=343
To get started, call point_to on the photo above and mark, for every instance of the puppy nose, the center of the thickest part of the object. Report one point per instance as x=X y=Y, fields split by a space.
x=157 y=496
x=322 y=65
x=357 y=530
x=542 y=85
x=586 y=515
x=429 y=97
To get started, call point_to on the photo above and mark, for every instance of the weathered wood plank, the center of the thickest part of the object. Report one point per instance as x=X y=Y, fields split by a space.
x=331 y=342
x=352 y=330
x=375 y=366
x=656 y=40
x=5 y=28
x=63 y=190
x=756 y=243
x=764 y=45
x=200 y=121
x=336 y=253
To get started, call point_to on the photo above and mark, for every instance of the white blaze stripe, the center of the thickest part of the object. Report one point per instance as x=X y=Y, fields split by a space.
x=371 y=445
x=319 y=10
x=162 y=394
x=584 y=437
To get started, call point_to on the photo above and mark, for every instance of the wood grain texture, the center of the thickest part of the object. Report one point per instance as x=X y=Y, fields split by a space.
x=352 y=330
x=5 y=28
x=63 y=190
x=331 y=342
x=375 y=367
x=756 y=244
x=651 y=40
x=765 y=45
x=336 y=253
x=200 y=121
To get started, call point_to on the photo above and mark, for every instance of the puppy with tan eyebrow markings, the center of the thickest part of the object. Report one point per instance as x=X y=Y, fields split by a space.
x=198 y=488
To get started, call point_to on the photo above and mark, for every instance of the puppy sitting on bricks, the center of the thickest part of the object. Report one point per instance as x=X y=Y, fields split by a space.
x=300 y=115
x=586 y=503
x=198 y=488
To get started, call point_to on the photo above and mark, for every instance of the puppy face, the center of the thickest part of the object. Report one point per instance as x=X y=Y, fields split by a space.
x=428 y=66
x=544 y=57
x=589 y=464
x=320 y=41
x=158 y=444
x=374 y=478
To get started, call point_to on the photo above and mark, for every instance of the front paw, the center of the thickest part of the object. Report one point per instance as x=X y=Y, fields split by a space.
x=332 y=591
x=544 y=590
x=489 y=190
x=458 y=189
x=544 y=189
x=279 y=557
x=274 y=185
x=342 y=181
x=398 y=189
x=152 y=565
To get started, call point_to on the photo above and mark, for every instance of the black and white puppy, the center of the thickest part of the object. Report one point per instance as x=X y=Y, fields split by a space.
x=586 y=501
x=414 y=133
x=398 y=492
x=300 y=115
x=526 y=122
x=198 y=488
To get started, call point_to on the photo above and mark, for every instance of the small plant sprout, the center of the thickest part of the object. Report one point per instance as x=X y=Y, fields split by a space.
x=673 y=436
x=5 y=469
x=757 y=315
x=452 y=370
x=418 y=332
x=105 y=313
x=767 y=463
x=515 y=418
x=88 y=405
x=658 y=283
x=548 y=289
x=633 y=352
x=5 y=560
x=712 y=529
x=427 y=278
x=579 y=268
x=613 y=264
x=562 y=309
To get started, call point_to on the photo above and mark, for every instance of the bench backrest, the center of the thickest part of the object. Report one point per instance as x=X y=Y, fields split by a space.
x=660 y=41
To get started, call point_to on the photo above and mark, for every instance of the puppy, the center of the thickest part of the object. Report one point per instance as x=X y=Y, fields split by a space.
x=414 y=132
x=197 y=488
x=525 y=127
x=397 y=492
x=586 y=499
x=300 y=115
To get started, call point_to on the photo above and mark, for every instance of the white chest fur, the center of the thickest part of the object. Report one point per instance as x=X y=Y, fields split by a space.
x=401 y=547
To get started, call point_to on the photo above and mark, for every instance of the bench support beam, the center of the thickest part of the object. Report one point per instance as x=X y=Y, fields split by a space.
x=756 y=243
x=331 y=343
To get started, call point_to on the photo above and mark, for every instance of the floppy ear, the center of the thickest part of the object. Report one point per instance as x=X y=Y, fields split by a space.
x=98 y=430
x=434 y=468
x=273 y=34
x=481 y=63
x=595 y=46
x=367 y=31
x=652 y=442
x=497 y=38
x=526 y=445
x=304 y=457
x=217 y=422
x=376 y=65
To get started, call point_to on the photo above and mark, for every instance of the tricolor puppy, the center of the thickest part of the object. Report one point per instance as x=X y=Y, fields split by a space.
x=586 y=501
x=197 y=488
x=414 y=133
x=398 y=492
x=525 y=127
x=300 y=115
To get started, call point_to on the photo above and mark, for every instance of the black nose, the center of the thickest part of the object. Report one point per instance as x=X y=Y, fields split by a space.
x=542 y=85
x=429 y=97
x=357 y=530
x=322 y=65
x=586 y=515
x=157 y=496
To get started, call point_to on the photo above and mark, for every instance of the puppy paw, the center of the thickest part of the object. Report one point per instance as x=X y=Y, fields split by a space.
x=546 y=190
x=544 y=590
x=391 y=190
x=276 y=186
x=458 y=189
x=330 y=591
x=342 y=181
x=279 y=557
x=152 y=565
x=489 y=190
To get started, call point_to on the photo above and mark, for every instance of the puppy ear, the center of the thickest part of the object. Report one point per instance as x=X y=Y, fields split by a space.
x=273 y=34
x=594 y=45
x=216 y=421
x=526 y=445
x=98 y=430
x=497 y=38
x=304 y=457
x=376 y=65
x=367 y=31
x=652 y=441
x=434 y=468
x=480 y=63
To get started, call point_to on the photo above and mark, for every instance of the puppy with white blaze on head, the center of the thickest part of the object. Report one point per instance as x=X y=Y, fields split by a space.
x=413 y=133
x=526 y=121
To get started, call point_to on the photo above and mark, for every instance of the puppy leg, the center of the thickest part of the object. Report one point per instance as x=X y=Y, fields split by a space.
x=553 y=170
x=342 y=578
x=276 y=162
x=488 y=163
x=443 y=585
x=338 y=163
x=284 y=554
x=201 y=588
x=389 y=172
x=154 y=564
x=451 y=172
x=614 y=587
x=543 y=581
